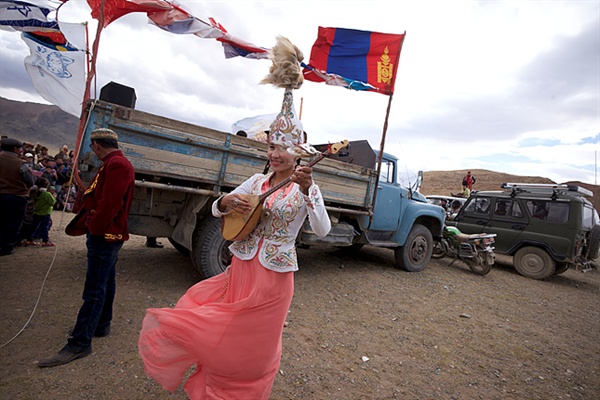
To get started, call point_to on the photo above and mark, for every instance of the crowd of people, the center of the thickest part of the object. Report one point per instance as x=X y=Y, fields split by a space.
x=56 y=169
x=33 y=182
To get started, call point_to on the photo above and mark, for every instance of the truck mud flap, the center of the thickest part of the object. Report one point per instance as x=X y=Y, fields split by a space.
x=341 y=234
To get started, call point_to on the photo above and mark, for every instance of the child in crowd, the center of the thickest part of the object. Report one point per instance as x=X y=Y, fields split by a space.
x=26 y=231
x=42 y=211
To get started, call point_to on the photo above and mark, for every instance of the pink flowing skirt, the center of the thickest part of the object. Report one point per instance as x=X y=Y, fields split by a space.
x=229 y=326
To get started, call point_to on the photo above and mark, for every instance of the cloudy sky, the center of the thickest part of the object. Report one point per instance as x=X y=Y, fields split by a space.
x=507 y=86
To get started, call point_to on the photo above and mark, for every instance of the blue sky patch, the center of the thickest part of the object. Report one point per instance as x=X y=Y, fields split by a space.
x=533 y=142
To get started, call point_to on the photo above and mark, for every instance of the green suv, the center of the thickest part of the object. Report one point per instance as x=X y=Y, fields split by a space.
x=546 y=228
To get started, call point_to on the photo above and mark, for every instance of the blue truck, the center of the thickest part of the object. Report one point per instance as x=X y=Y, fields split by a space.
x=182 y=168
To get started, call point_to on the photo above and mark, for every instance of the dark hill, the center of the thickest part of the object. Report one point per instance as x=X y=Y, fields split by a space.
x=38 y=123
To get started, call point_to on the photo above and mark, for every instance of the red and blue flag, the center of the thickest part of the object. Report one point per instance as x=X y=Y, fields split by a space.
x=355 y=59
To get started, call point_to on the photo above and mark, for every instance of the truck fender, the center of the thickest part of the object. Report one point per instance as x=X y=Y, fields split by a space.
x=431 y=217
x=189 y=218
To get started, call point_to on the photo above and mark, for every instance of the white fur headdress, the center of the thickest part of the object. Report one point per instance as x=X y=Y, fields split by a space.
x=285 y=72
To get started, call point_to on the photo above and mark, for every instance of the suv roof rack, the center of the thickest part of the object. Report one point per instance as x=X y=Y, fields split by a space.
x=546 y=188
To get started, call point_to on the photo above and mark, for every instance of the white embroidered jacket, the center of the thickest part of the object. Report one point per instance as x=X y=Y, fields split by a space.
x=279 y=225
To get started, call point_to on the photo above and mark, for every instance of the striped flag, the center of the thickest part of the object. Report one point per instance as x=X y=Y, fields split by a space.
x=178 y=20
x=26 y=17
x=235 y=47
x=355 y=59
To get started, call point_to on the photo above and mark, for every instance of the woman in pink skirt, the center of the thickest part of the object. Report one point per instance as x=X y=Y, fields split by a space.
x=230 y=326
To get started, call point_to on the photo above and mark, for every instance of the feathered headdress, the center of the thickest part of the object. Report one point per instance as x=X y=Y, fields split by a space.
x=285 y=72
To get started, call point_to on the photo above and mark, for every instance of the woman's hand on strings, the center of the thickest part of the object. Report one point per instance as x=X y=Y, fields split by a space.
x=235 y=202
x=303 y=177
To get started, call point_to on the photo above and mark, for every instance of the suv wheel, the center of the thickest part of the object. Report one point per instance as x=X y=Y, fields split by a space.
x=594 y=246
x=561 y=268
x=534 y=262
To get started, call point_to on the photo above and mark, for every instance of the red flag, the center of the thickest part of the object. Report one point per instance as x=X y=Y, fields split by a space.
x=114 y=9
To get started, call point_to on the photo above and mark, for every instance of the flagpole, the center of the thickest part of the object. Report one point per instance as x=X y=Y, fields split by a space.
x=91 y=72
x=385 y=126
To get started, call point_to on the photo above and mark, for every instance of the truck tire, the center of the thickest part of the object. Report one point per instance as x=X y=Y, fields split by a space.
x=534 y=262
x=180 y=248
x=210 y=254
x=355 y=248
x=416 y=252
x=594 y=246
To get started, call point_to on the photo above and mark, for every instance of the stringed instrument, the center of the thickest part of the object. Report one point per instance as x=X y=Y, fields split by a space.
x=237 y=226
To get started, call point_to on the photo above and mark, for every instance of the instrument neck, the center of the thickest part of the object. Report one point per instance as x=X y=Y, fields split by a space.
x=289 y=178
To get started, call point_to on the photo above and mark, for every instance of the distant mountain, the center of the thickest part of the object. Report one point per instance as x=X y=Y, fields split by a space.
x=446 y=182
x=38 y=123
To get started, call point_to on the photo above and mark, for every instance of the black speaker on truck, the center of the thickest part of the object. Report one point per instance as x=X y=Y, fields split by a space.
x=118 y=94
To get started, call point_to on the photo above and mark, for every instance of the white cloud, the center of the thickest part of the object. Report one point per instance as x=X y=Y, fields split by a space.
x=476 y=78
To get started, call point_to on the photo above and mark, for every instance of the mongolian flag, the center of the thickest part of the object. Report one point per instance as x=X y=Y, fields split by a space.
x=354 y=59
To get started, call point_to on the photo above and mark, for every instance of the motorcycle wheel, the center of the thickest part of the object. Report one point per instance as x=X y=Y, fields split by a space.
x=479 y=265
x=438 y=250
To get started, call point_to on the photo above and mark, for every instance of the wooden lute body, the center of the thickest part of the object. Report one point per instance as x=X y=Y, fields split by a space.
x=237 y=226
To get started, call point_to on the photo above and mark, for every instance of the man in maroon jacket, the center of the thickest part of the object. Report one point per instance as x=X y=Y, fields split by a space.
x=103 y=218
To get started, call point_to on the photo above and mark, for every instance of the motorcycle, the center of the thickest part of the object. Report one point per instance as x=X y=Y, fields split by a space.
x=475 y=250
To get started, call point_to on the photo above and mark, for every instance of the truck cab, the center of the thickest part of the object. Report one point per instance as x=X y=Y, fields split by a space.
x=401 y=219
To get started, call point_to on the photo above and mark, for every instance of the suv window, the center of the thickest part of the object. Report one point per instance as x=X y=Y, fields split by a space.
x=479 y=205
x=509 y=208
x=590 y=217
x=549 y=210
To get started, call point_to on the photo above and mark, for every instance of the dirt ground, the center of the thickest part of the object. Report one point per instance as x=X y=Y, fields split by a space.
x=358 y=328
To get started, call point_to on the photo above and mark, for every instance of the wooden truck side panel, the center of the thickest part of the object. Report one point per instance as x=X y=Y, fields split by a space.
x=171 y=157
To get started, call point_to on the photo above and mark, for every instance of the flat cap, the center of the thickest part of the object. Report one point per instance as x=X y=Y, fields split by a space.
x=10 y=142
x=103 y=133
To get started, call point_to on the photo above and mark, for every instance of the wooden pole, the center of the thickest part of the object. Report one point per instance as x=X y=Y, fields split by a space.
x=385 y=126
x=91 y=73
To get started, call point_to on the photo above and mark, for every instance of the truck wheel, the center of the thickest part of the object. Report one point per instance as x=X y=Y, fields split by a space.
x=210 y=254
x=180 y=248
x=438 y=250
x=416 y=252
x=594 y=246
x=355 y=248
x=534 y=262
